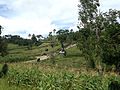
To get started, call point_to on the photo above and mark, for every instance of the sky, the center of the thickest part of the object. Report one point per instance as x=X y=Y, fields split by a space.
x=23 y=17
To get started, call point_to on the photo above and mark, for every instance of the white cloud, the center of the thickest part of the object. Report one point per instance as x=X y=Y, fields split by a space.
x=17 y=25
x=36 y=16
x=40 y=16
x=109 y=4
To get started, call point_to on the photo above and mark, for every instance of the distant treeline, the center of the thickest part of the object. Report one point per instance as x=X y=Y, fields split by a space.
x=16 y=39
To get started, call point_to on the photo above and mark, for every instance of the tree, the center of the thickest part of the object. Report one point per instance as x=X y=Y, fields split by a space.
x=29 y=35
x=99 y=34
x=3 y=44
x=72 y=37
x=54 y=30
x=87 y=16
x=0 y=29
x=39 y=37
x=50 y=33
x=52 y=43
x=34 y=39
x=62 y=35
x=110 y=44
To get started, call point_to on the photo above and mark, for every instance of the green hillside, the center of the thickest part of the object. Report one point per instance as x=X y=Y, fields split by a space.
x=69 y=72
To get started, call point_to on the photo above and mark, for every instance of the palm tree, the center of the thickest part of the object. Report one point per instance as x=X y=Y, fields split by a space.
x=50 y=33
x=29 y=35
x=71 y=30
x=54 y=30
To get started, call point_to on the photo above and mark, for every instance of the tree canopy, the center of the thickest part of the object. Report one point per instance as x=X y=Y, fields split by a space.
x=3 y=44
x=98 y=33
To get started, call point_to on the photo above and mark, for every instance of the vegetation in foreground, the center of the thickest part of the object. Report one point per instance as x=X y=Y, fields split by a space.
x=36 y=77
x=65 y=74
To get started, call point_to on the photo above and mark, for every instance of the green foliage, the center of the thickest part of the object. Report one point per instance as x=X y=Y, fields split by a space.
x=5 y=86
x=34 y=39
x=73 y=59
x=66 y=36
x=15 y=58
x=88 y=34
x=22 y=53
x=59 y=80
x=16 y=39
x=3 y=45
x=109 y=41
x=62 y=35
x=3 y=48
x=99 y=35
x=110 y=46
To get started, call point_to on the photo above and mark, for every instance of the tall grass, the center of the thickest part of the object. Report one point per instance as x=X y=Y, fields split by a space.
x=38 y=79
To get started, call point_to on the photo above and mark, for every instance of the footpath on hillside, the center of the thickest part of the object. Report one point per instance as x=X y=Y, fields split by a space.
x=44 y=57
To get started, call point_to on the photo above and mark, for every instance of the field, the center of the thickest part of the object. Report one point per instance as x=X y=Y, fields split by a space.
x=69 y=72
x=21 y=53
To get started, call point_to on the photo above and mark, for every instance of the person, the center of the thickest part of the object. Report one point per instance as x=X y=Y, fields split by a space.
x=62 y=51
x=38 y=60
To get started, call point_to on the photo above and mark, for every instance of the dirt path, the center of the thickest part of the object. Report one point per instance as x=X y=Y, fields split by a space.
x=46 y=56
x=41 y=58
x=71 y=46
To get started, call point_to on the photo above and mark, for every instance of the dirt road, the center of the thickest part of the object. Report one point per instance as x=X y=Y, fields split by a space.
x=41 y=58
x=46 y=56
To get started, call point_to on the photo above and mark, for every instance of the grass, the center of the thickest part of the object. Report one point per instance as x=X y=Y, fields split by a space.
x=5 y=86
x=15 y=58
x=15 y=49
x=21 y=53
x=36 y=77
x=73 y=59
x=68 y=73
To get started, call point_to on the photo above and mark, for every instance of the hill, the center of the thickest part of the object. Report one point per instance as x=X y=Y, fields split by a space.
x=70 y=72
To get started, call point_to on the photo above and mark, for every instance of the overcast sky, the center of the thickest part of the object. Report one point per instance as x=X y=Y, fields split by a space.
x=42 y=16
